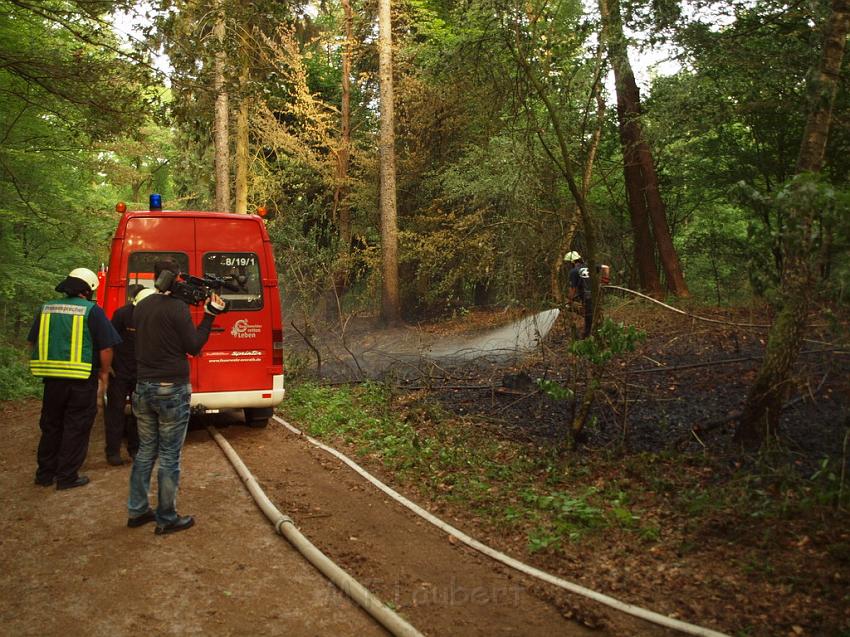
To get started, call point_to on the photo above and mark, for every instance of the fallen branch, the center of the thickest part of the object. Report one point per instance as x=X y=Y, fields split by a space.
x=651 y=370
x=518 y=400
x=722 y=361
x=701 y=318
x=678 y=311
x=313 y=347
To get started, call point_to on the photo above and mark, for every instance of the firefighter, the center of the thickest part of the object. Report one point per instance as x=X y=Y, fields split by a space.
x=579 y=286
x=72 y=343
x=121 y=384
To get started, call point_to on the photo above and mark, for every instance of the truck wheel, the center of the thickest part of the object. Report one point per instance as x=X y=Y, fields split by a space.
x=258 y=417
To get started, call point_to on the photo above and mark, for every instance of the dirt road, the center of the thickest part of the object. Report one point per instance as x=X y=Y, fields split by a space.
x=72 y=567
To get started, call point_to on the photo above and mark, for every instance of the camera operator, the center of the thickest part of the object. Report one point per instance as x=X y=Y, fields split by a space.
x=165 y=334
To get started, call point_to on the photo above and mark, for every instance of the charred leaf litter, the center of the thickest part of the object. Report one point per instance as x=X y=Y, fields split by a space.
x=680 y=390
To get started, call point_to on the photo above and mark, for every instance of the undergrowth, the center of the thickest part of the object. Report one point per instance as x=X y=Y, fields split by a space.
x=554 y=499
x=510 y=485
x=15 y=378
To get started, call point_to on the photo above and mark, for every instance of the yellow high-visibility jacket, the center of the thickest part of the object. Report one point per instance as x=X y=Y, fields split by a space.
x=64 y=345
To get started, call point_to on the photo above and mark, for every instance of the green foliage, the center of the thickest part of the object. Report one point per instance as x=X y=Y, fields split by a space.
x=829 y=484
x=710 y=247
x=15 y=378
x=61 y=64
x=326 y=410
x=594 y=354
x=773 y=489
x=483 y=204
x=727 y=131
x=554 y=390
x=803 y=197
x=65 y=93
x=608 y=340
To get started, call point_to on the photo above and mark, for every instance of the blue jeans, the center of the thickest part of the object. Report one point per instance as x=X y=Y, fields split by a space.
x=162 y=415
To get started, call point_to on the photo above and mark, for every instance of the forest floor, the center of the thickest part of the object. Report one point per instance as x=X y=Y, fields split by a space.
x=648 y=510
x=751 y=544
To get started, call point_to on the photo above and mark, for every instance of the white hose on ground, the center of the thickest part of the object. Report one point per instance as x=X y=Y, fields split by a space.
x=636 y=611
x=284 y=526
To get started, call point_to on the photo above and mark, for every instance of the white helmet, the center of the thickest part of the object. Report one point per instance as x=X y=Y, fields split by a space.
x=85 y=275
x=142 y=295
x=572 y=256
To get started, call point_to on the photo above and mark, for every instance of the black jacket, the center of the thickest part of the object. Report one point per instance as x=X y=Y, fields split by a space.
x=164 y=335
x=124 y=354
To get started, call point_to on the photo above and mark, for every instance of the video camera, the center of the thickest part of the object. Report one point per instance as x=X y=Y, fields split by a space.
x=194 y=290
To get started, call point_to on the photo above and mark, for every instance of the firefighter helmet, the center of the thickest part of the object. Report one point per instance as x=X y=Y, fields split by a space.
x=86 y=276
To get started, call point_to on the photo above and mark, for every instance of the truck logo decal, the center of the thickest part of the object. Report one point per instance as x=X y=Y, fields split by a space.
x=243 y=329
x=235 y=356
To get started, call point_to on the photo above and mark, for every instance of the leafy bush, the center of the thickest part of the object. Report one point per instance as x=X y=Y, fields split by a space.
x=609 y=340
x=15 y=379
x=595 y=353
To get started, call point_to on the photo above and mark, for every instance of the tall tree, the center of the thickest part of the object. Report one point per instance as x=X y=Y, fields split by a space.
x=522 y=48
x=342 y=208
x=587 y=174
x=760 y=417
x=242 y=139
x=639 y=168
x=390 y=298
x=222 y=115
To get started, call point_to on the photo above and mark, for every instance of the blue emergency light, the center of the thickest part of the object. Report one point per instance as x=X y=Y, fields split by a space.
x=156 y=202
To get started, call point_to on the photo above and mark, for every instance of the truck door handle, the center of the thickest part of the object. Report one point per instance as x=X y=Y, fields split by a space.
x=216 y=329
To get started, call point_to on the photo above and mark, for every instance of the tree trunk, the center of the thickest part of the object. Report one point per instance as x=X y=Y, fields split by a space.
x=529 y=70
x=342 y=211
x=390 y=303
x=242 y=147
x=242 y=158
x=221 y=132
x=645 y=202
x=643 y=245
x=760 y=417
x=567 y=240
x=823 y=87
x=658 y=214
x=341 y=214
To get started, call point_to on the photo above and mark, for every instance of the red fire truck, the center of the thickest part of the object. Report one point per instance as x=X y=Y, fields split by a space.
x=241 y=366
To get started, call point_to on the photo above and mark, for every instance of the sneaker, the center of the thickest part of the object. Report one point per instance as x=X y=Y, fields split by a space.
x=81 y=481
x=180 y=524
x=139 y=520
x=115 y=461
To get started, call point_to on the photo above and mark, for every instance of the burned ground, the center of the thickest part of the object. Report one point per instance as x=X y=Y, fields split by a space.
x=756 y=543
x=680 y=390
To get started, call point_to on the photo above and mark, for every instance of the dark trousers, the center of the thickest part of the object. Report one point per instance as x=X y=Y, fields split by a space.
x=119 y=425
x=67 y=415
x=588 y=316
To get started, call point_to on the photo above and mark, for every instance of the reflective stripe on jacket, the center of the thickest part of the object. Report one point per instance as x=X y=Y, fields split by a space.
x=64 y=345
